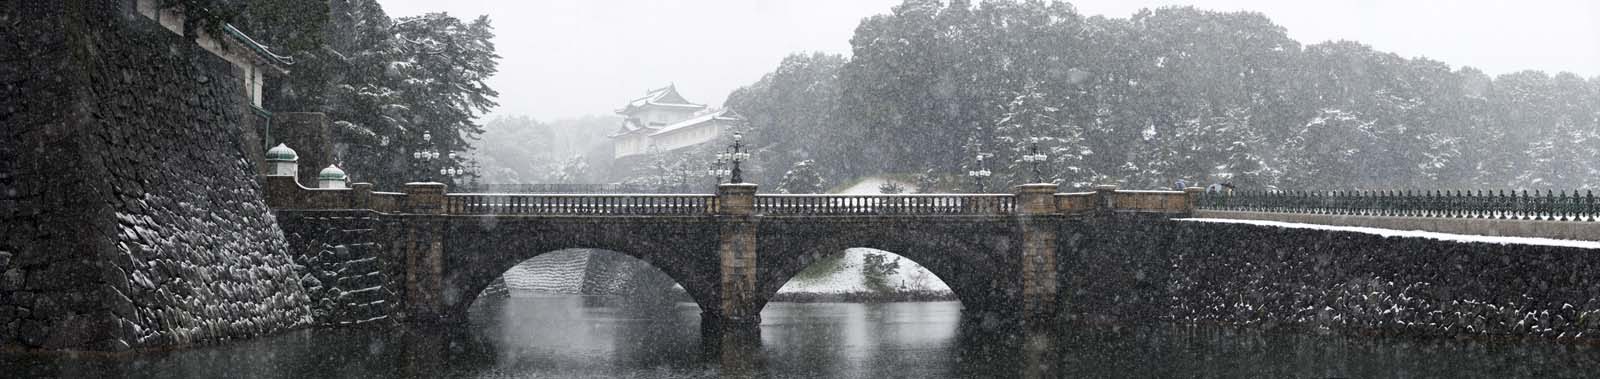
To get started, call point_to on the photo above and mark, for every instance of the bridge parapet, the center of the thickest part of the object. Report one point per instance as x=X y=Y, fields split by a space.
x=543 y=204
x=1110 y=199
x=915 y=204
x=285 y=192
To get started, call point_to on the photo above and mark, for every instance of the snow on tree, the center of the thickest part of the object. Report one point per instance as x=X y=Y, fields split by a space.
x=801 y=178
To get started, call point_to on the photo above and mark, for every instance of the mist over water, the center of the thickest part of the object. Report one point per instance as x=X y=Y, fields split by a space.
x=576 y=336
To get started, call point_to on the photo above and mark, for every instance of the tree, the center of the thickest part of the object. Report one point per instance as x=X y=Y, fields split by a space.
x=801 y=178
x=876 y=269
x=890 y=187
x=574 y=170
x=383 y=83
x=793 y=116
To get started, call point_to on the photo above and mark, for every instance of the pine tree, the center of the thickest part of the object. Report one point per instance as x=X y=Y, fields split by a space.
x=802 y=178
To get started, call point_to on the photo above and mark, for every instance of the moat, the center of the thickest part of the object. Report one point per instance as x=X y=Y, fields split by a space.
x=573 y=336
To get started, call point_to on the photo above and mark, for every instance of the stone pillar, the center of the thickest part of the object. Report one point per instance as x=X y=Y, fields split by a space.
x=425 y=198
x=1036 y=215
x=737 y=251
x=424 y=252
x=282 y=192
x=1105 y=201
x=361 y=196
x=1191 y=198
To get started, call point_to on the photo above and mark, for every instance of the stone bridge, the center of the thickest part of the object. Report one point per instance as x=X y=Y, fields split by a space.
x=733 y=250
x=1030 y=257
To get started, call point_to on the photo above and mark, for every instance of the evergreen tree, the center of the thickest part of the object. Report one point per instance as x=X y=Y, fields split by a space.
x=802 y=178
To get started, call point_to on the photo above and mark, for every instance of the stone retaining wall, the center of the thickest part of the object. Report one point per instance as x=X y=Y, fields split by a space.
x=347 y=265
x=1330 y=281
x=129 y=215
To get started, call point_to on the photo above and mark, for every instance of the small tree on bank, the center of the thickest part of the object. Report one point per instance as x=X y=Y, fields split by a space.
x=802 y=178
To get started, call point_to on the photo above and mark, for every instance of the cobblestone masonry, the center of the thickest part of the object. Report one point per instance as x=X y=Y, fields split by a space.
x=347 y=267
x=1327 y=281
x=129 y=216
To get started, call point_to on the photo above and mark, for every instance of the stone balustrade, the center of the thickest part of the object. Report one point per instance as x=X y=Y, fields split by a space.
x=283 y=192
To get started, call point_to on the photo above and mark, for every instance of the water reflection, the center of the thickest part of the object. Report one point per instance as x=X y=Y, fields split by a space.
x=573 y=336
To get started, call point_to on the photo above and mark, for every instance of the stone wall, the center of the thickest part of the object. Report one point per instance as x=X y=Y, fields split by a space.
x=1331 y=281
x=348 y=268
x=130 y=216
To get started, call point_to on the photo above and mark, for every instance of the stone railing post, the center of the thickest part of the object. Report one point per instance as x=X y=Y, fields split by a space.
x=1191 y=196
x=737 y=250
x=1036 y=208
x=424 y=252
x=1105 y=199
x=425 y=198
x=1036 y=199
x=361 y=196
x=282 y=191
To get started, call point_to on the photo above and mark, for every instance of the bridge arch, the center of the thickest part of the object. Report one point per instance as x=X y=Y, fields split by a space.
x=973 y=263
x=475 y=253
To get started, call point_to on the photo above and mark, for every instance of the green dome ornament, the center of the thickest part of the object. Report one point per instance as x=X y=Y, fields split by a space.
x=332 y=178
x=282 y=153
x=282 y=161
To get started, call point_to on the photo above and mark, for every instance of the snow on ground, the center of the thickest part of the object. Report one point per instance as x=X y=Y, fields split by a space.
x=869 y=186
x=1414 y=233
x=850 y=278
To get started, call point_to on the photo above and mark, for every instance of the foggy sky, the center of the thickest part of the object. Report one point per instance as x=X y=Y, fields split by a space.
x=568 y=58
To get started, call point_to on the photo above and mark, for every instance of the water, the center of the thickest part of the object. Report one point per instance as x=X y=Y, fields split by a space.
x=575 y=337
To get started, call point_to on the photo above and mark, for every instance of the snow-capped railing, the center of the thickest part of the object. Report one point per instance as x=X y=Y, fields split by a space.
x=918 y=204
x=567 y=188
x=1439 y=204
x=632 y=204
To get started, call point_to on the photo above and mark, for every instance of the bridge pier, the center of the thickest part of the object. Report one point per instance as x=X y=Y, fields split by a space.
x=1037 y=218
x=424 y=245
x=737 y=254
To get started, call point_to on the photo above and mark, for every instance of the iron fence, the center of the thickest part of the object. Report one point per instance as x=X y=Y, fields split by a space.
x=1550 y=205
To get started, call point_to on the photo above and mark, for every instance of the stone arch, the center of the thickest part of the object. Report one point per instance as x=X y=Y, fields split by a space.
x=476 y=251
x=973 y=263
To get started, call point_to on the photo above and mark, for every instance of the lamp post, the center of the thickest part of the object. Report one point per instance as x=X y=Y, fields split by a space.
x=1035 y=158
x=736 y=157
x=716 y=169
x=450 y=172
x=980 y=174
x=423 y=156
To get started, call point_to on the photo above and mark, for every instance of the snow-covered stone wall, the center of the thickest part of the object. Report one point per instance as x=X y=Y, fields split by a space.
x=348 y=265
x=1332 y=280
x=129 y=215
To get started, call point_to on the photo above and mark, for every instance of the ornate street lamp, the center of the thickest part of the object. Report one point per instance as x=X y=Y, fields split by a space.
x=1036 y=159
x=473 y=169
x=450 y=172
x=422 y=157
x=717 y=169
x=736 y=157
x=980 y=174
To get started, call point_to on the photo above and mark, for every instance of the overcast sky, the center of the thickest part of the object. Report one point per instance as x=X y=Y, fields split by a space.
x=568 y=58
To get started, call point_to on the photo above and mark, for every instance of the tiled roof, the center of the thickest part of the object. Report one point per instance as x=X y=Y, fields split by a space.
x=722 y=115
